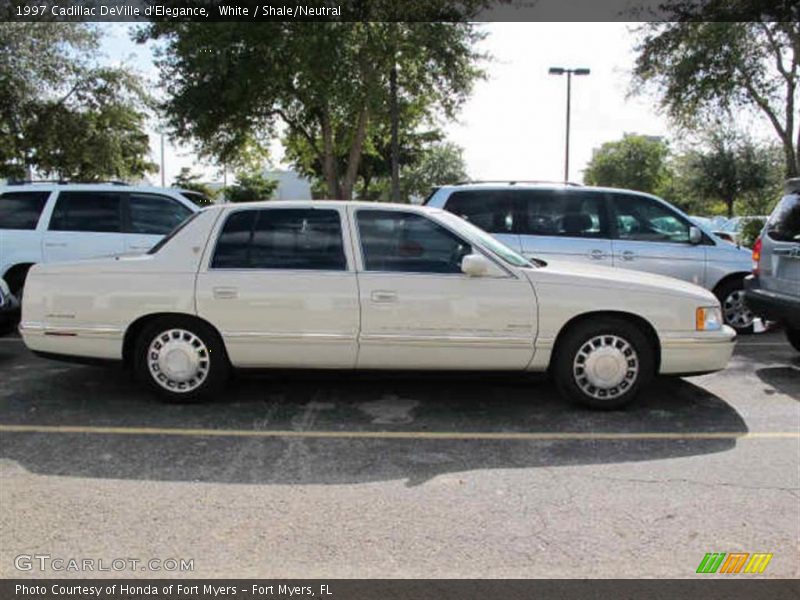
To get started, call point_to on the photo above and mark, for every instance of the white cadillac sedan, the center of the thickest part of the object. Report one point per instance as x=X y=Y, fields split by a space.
x=348 y=285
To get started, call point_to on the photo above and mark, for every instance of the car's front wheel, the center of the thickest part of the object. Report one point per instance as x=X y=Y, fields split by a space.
x=735 y=311
x=793 y=335
x=603 y=363
x=181 y=359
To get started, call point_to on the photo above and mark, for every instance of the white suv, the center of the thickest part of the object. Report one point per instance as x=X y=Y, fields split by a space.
x=41 y=223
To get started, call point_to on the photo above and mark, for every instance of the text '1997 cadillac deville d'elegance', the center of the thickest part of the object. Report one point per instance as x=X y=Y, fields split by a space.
x=348 y=285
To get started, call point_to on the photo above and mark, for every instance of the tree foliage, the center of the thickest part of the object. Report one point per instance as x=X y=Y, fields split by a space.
x=705 y=68
x=441 y=164
x=233 y=84
x=186 y=180
x=636 y=162
x=251 y=186
x=728 y=168
x=62 y=114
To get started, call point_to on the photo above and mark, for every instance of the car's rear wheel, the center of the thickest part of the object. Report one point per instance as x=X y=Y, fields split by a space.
x=181 y=359
x=735 y=311
x=793 y=335
x=603 y=363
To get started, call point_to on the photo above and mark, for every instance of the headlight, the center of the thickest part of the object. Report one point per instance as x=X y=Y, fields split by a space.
x=708 y=318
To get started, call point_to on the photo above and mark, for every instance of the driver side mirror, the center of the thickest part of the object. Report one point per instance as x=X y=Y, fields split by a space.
x=695 y=235
x=475 y=265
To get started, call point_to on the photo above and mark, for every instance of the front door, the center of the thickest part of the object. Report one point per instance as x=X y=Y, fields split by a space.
x=280 y=288
x=652 y=237
x=418 y=310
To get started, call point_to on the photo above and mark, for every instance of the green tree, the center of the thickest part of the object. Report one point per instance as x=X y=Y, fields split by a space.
x=230 y=84
x=728 y=168
x=186 y=180
x=441 y=164
x=64 y=115
x=702 y=66
x=636 y=162
x=251 y=186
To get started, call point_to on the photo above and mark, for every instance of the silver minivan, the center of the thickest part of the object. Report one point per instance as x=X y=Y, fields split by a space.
x=609 y=227
x=773 y=291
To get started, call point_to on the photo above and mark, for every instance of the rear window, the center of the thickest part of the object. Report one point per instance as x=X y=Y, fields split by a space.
x=21 y=210
x=784 y=224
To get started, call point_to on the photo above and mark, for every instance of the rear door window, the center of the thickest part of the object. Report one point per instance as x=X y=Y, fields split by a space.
x=21 y=210
x=295 y=239
x=563 y=213
x=784 y=223
x=99 y=212
x=491 y=210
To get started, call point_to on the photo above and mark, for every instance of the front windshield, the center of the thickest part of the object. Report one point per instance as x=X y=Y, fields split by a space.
x=486 y=240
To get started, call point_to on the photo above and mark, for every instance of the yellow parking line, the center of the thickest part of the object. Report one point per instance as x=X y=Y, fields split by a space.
x=401 y=435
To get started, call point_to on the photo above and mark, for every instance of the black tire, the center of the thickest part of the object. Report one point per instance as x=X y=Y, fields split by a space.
x=608 y=330
x=730 y=294
x=197 y=342
x=793 y=335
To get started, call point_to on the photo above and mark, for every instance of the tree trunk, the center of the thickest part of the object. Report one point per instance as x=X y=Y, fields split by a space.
x=729 y=203
x=329 y=170
x=354 y=156
x=395 y=138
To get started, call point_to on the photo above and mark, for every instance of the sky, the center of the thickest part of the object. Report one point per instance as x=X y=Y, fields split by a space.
x=513 y=125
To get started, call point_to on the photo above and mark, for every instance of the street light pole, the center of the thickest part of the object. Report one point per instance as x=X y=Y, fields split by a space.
x=569 y=73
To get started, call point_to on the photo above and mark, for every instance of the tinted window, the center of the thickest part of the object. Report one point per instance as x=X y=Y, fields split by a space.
x=643 y=219
x=21 y=210
x=398 y=241
x=490 y=210
x=784 y=224
x=566 y=213
x=306 y=239
x=87 y=211
x=153 y=214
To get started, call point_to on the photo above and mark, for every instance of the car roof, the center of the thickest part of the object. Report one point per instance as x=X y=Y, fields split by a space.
x=98 y=187
x=323 y=204
x=537 y=185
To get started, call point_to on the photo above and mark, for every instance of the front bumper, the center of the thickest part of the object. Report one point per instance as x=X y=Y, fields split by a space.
x=769 y=305
x=692 y=353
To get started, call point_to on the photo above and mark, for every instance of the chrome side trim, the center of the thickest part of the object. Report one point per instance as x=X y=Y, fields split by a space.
x=99 y=332
x=436 y=340
x=266 y=336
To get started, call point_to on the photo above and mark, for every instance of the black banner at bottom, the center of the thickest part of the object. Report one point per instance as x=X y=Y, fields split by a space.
x=715 y=588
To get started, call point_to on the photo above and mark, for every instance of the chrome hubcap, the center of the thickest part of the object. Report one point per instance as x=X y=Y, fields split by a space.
x=735 y=310
x=605 y=366
x=178 y=360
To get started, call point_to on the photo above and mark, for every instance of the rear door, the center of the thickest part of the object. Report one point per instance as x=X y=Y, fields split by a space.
x=780 y=253
x=652 y=237
x=149 y=217
x=564 y=224
x=491 y=210
x=84 y=224
x=280 y=288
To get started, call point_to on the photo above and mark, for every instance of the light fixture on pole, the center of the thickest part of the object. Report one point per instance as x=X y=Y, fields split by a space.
x=569 y=73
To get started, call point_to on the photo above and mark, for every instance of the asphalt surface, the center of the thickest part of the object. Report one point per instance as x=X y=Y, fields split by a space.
x=304 y=475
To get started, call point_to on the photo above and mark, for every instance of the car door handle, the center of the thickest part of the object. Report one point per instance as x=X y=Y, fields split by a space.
x=225 y=293
x=383 y=296
x=56 y=244
x=628 y=255
x=140 y=247
x=598 y=254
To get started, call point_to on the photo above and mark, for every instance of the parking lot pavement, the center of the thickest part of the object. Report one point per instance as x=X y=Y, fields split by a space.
x=379 y=475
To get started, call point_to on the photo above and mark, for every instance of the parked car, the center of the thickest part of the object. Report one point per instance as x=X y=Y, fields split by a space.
x=735 y=226
x=199 y=198
x=9 y=309
x=773 y=291
x=47 y=222
x=343 y=285
x=605 y=227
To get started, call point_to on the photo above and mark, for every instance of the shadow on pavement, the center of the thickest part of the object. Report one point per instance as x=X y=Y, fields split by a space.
x=784 y=379
x=67 y=395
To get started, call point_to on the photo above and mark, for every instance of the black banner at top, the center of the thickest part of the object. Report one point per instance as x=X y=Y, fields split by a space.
x=399 y=10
